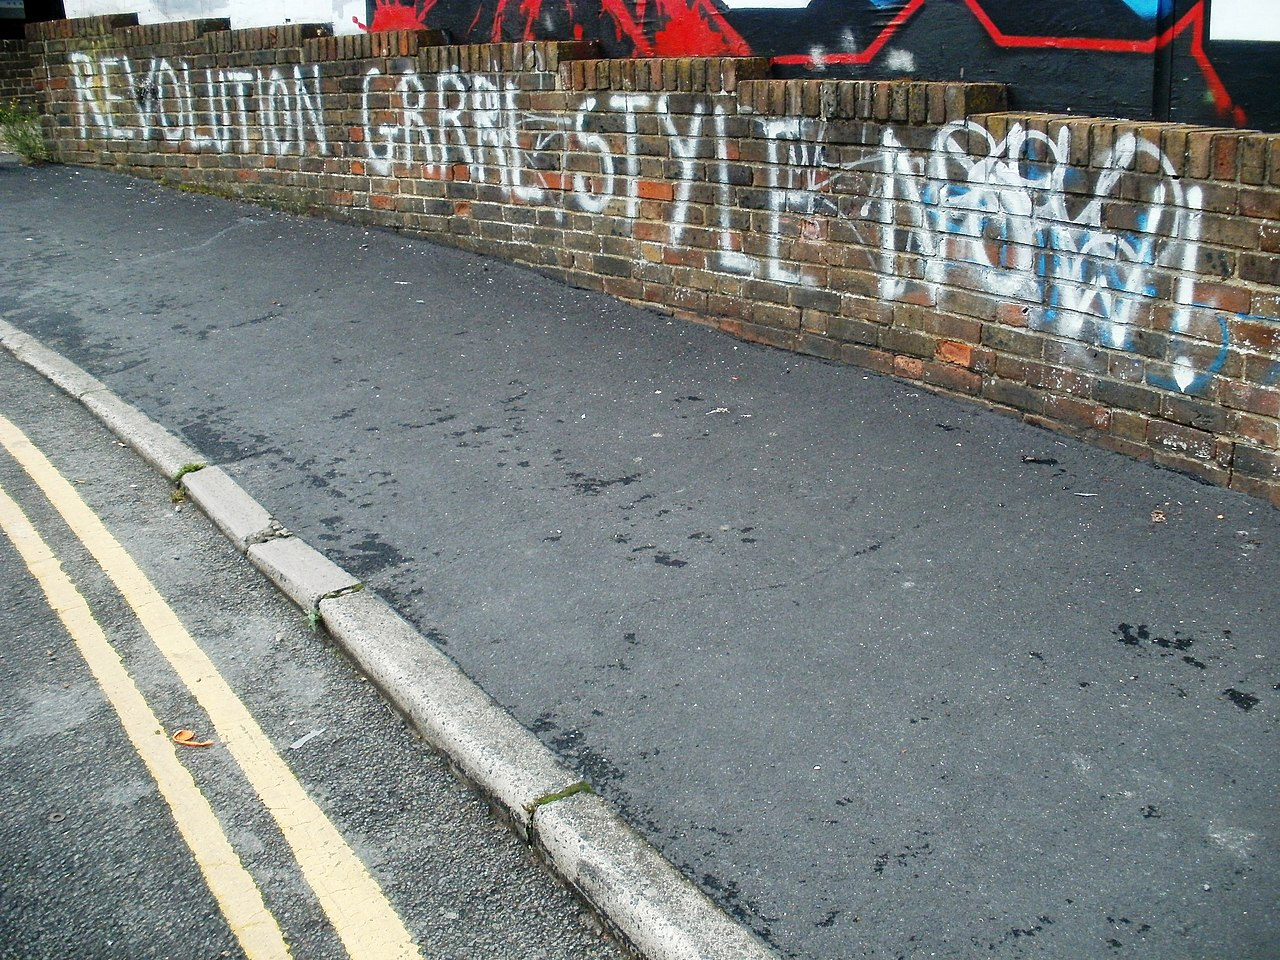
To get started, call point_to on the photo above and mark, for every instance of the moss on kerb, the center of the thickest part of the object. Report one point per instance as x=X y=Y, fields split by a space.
x=344 y=592
x=188 y=468
x=315 y=618
x=580 y=787
x=179 y=492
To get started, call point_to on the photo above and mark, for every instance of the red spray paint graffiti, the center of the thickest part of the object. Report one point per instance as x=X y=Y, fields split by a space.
x=697 y=26
x=1193 y=21
x=682 y=28
x=390 y=15
x=654 y=28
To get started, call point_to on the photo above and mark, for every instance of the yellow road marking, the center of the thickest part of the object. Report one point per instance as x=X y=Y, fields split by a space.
x=237 y=895
x=364 y=920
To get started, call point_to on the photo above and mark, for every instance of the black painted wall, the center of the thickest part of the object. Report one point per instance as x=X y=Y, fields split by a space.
x=34 y=11
x=1138 y=59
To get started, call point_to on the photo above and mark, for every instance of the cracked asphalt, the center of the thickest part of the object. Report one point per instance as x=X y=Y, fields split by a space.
x=885 y=673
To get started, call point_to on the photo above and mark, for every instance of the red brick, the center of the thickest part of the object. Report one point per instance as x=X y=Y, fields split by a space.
x=1179 y=440
x=1059 y=380
x=951 y=333
x=1256 y=462
x=1258 y=336
x=1129 y=425
x=655 y=190
x=770 y=336
x=1015 y=314
x=949 y=351
x=1264 y=431
x=1130 y=448
x=1248 y=397
x=1261 y=369
x=1260 y=268
x=1263 y=204
x=868 y=358
x=650 y=230
x=776 y=315
x=1270 y=238
x=1077 y=412
x=983 y=361
x=681 y=257
x=1219 y=296
x=1224 y=157
x=909 y=367
x=948 y=327
x=953 y=378
x=817 y=346
x=1206 y=470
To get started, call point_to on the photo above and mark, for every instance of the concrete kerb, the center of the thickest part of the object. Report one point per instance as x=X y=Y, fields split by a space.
x=637 y=893
x=161 y=449
x=241 y=518
x=55 y=368
x=11 y=338
x=490 y=749
x=168 y=455
x=640 y=896
x=656 y=909
x=300 y=572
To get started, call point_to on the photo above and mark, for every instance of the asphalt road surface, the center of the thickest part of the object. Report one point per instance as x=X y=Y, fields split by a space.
x=93 y=862
x=886 y=674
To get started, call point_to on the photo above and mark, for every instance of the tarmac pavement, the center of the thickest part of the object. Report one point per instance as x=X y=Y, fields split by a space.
x=885 y=674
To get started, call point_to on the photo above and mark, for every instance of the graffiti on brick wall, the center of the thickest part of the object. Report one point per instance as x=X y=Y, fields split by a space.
x=265 y=110
x=1018 y=211
x=1093 y=53
x=1007 y=218
x=1011 y=218
x=443 y=123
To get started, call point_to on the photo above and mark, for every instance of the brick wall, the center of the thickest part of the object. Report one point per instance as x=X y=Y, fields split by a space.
x=1116 y=280
x=16 y=64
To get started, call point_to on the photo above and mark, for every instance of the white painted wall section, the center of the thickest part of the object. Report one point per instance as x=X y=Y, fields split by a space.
x=1245 y=20
x=243 y=13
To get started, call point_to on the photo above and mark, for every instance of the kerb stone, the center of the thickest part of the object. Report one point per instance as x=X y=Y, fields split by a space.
x=241 y=518
x=302 y=573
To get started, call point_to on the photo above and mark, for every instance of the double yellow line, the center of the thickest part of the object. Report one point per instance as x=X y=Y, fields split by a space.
x=363 y=919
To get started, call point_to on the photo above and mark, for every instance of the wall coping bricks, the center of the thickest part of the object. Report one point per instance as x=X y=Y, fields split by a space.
x=81 y=27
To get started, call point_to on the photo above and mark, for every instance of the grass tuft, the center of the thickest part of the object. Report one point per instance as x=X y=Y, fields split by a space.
x=20 y=130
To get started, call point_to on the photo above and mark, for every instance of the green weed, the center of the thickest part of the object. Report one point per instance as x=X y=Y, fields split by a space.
x=20 y=129
x=187 y=468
